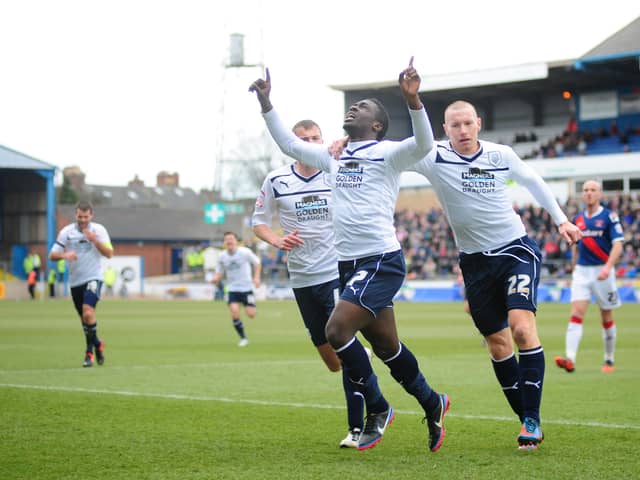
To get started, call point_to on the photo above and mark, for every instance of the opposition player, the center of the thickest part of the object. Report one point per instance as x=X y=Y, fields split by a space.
x=365 y=184
x=593 y=262
x=236 y=263
x=301 y=198
x=500 y=264
x=82 y=245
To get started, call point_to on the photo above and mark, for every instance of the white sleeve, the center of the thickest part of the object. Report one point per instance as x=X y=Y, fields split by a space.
x=411 y=150
x=311 y=154
x=60 y=243
x=263 y=209
x=423 y=167
x=524 y=174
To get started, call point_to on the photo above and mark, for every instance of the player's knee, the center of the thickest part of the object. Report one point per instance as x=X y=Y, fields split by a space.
x=500 y=351
x=88 y=315
x=523 y=335
x=332 y=332
x=336 y=333
x=578 y=312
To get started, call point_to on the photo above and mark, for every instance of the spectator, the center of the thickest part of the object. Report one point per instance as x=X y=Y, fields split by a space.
x=582 y=146
x=109 y=277
x=51 y=281
x=572 y=125
x=613 y=128
x=32 y=279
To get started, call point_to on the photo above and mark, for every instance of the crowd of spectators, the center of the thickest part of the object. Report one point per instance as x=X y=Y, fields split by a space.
x=430 y=250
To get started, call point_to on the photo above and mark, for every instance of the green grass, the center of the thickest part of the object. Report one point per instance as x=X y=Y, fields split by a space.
x=177 y=399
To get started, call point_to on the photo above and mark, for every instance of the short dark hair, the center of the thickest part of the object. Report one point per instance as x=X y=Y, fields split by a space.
x=306 y=124
x=84 y=205
x=382 y=117
x=230 y=233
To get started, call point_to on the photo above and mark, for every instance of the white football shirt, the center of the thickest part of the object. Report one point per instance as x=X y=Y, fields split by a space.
x=472 y=192
x=88 y=266
x=303 y=204
x=237 y=269
x=364 y=182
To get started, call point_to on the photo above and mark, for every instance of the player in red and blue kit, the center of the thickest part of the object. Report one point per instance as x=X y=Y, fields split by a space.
x=594 y=262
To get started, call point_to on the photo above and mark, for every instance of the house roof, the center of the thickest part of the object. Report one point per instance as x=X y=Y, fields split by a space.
x=159 y=224
x=155 y=224
x=175 y=198
x=14 y=160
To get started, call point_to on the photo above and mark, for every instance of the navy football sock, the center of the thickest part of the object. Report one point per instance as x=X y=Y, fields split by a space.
x=532 y=367
x=508 y=375
x=237 y=324
x=404 y=368
x=355 y=362
x=355 y=402
x=90 y=335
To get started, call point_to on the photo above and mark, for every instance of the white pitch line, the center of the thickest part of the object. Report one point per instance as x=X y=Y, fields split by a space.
x=169 y=365
x=177 y=396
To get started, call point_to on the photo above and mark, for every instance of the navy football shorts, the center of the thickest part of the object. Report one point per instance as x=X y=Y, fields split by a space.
x=500 y=280
x=86 y=294
x=372 y=282
x=316 y=303
x=247 y=299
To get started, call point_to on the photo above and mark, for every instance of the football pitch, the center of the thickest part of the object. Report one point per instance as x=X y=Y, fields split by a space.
x=178 y=399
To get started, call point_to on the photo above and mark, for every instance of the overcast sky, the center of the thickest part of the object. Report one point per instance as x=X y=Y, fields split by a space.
x=132 y=87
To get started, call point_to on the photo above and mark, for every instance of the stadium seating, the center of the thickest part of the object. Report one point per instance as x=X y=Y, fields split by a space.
x=602 y=145
x=546 y=135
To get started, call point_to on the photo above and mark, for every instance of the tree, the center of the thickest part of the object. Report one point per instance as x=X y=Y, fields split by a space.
x=67 y=195
x=248 y=164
